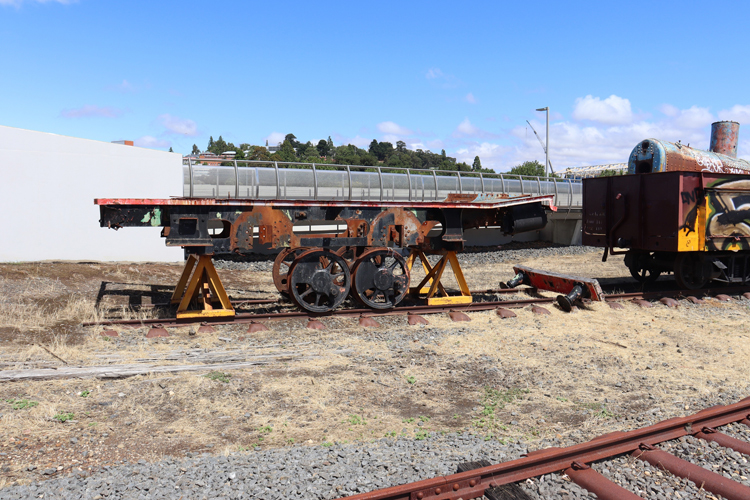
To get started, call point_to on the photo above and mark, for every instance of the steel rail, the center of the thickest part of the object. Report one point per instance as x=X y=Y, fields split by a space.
x=342 y=313
x=473 y=483
x=403 y=310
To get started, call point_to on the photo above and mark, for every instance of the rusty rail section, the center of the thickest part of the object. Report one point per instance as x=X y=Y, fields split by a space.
x=574 y=462
x=412 y=310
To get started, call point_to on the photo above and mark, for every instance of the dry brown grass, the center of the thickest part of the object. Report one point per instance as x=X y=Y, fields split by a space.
x=360 y=387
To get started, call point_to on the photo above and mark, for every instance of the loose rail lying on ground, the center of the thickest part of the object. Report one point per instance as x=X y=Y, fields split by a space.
x=574 y=462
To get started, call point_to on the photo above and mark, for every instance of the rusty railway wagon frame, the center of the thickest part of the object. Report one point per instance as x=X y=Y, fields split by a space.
x=329 y=249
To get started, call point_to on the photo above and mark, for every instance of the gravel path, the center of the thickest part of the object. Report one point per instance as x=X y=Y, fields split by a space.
x=321 y=472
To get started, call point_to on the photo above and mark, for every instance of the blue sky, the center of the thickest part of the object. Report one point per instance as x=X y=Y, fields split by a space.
x=463 y=77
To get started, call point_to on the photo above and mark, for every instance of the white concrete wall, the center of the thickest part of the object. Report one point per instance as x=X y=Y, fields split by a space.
x=47 y=192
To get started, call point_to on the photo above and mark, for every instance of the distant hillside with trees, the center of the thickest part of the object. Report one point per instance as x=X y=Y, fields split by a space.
x=377 y=154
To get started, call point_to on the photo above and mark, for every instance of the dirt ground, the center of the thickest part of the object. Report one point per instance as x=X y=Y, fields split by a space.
x=569 y=376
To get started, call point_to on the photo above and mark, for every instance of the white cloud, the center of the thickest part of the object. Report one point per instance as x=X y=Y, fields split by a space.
x=736 y=113
x=465 y=128
x=470 y=98
x=181 y=126
x=441 y=79
x=695 y=117
x=393 y=129
x=274 y=138
x=360 y=142
x=148 y=141
x=612 y=110
x=433 y=73
x=491 y=155
x=669 y=110
x=91 y=111
x=125 y=87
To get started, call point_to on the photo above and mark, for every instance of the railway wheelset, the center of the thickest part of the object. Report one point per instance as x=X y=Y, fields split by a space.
x=320 y=279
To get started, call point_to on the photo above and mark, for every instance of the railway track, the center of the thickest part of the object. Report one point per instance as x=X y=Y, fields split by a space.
x=477 y=479
x=418 y=310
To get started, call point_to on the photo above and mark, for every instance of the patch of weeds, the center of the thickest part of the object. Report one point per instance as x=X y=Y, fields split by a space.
x=411 y=379
x=326 y=444
x=561 y=399
x=599 y=410
x=456 y=416
x=391 y=434
x=356 y=420
x=422 y=434
x=64 y=417
x=290 y=441
x=492 y=401
x=22 y=404
x=266 y=429
x=241 y=448
x=92 y=424
x=409 y=420
x=85 y=394
x=424 y=419
x=220 y=376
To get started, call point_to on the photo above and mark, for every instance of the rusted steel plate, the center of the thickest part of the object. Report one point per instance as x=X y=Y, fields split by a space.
x=458 y=316
x=157 y=331
x=558 y=459
x=256 y=327
x=669 y=302
x=415 y=319
x=560 y=283
x=505 y=313
x=539 y=310
x=368 y=322
x=314 y=324
x=235 y=202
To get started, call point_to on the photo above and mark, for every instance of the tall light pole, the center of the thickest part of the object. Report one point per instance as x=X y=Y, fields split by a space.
x=546 y=148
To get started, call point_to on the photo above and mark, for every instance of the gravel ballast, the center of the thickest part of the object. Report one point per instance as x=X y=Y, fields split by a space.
x=327 y=472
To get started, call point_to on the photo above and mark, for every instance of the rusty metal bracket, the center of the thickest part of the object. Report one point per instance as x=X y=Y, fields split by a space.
x=201 y=285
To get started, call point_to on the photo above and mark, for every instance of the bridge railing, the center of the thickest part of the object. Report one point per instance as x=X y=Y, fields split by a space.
x=255 y=179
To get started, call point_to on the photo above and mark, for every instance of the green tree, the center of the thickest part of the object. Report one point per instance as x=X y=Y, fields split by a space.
x=533 y=168
x=322 y=147
x=330 y=144
x=477 y=165
x=170 y=149
x=610 y=173
x=210 y=143
x=292 y=140
x=196 y=151
x=286 y=153
x=400 y=146
x=258 y=153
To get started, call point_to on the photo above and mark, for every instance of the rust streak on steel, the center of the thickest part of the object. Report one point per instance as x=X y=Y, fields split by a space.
x=473 y=482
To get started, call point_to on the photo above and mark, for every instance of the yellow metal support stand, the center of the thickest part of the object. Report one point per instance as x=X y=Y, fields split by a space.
x=203 y=288
x=431 y=284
